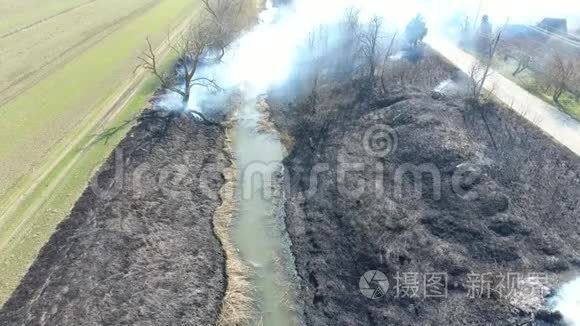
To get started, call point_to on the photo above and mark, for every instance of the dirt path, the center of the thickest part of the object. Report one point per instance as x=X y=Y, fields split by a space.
x=555 y=123
x=114 y=106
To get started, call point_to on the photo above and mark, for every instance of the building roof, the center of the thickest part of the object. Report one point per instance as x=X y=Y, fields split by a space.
x=554 y=25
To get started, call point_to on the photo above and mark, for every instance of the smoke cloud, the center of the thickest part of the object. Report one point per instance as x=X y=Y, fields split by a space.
x=266 y=55
x=567 y=302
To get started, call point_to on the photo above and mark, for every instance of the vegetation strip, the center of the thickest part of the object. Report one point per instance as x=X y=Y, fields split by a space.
x=238 y=308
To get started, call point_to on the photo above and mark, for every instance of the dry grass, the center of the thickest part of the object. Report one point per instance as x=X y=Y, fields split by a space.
x=238 y=307
x=286 y=298
x=424 y=75
x=266 y=125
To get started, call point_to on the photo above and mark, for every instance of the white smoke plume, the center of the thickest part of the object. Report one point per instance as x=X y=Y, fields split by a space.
x=266 y=54
x=567 y=302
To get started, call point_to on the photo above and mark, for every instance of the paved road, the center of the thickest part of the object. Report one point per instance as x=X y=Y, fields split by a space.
x=547 y=117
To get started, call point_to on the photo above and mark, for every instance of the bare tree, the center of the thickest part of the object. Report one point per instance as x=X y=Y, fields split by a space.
x=317 y=48
x=561 y=72
x=351 y=28
x=315 y=80
x=349 y=31
x=192 y=48
x=523 y=52
x=203 y=43
x=575 y=85
x=225 y=20
x=476 y=76
x=466 y=33
x=370 y=47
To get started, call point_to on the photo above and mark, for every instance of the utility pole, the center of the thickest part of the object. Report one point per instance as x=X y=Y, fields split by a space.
x=491 y=55
x=492 y=50
x=476 y=20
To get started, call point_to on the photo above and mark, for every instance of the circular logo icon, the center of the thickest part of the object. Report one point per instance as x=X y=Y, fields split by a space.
x=373 y=285
x=380 y=141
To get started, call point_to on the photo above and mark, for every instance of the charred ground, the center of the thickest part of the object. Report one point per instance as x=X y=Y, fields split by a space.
x=139 y=246
x=514 y=207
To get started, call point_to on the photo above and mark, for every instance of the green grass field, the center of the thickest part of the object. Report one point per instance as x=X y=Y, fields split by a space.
x=31 y=51
x=44 y=131
x=16 y=14
x=36 y=120
x=17 y=255
x=527 y=80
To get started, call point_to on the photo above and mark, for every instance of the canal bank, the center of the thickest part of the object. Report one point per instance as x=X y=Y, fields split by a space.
x=261 y=273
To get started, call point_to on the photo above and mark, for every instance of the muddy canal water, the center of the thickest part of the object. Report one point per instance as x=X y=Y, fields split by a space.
x=259 y=230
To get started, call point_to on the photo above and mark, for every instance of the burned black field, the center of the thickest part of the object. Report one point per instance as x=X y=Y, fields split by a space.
x=139 y=246
x=451 y=187
x=392 y=181
x=344 y=174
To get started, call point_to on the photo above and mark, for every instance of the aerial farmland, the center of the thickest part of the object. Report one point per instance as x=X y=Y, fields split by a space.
x=289 y=162
x=67 y=73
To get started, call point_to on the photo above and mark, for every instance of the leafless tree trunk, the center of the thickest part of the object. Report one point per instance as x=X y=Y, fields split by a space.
x=476 y=74
x=191 y=49
x=350 y=29
x=523 y=65
x=315 y=75
x=204 y=43
x=562 y=71
x=370 y=46
x=318 y=49
x=225 y=20
x=523 y=52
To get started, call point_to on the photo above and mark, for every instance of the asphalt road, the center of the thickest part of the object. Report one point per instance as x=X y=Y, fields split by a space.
x=555 y=123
